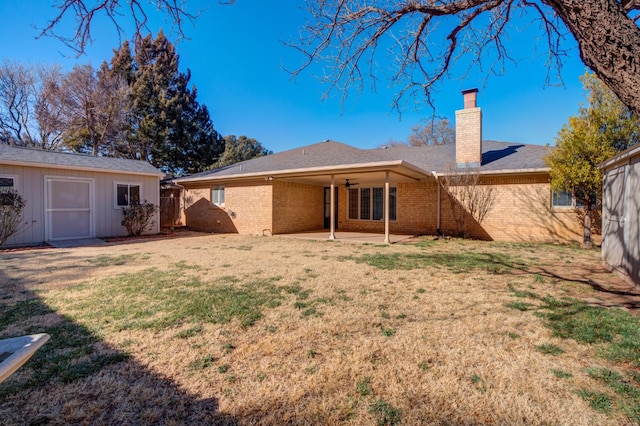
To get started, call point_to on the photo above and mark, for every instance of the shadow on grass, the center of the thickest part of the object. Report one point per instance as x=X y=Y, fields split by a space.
x=76 y=378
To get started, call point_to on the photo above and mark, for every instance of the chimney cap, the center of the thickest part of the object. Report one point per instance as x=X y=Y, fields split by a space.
x=474 y=90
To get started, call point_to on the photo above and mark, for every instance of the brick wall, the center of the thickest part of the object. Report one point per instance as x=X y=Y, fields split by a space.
x=297 y=207
x=247 y=209
x=416 y=211
x=521 y=211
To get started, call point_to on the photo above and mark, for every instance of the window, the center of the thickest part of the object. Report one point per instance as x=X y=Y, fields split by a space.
x=565 y=199
x=7 y=186
x=353 y=203
x=368 y=203
x=127 y=194
x=561 y=199
x=217 y=195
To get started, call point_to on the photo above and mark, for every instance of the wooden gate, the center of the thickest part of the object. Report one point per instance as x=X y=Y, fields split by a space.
x=170 y=208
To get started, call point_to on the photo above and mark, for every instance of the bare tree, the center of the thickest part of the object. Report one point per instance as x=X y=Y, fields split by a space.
x=425 y=38
x=83 y=12
x=48 y=113
x=92 y=110
x=27 y=107
x=432 y=132
x=467 y=196
x=17 y=90
x=11 y=206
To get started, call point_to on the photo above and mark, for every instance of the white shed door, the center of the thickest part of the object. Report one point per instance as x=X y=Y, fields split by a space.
x=614 y=219
x=69 y=212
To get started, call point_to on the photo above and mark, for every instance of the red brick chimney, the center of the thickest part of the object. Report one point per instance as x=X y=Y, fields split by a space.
x=469 y=131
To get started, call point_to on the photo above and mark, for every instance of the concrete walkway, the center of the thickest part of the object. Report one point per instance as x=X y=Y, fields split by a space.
x=359 y=237
x=84 y=242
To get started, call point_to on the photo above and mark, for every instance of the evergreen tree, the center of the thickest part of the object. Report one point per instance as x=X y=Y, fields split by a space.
x=165 y=123
x=240 y=149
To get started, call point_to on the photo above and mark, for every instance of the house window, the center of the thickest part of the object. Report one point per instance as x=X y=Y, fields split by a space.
x=7 y=186
x=217 y=195
x=565 y=199
x=561 y=199
x=127 y=194
x=368 y=203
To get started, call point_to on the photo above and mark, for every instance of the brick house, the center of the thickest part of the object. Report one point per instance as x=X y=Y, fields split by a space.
x=333 y=186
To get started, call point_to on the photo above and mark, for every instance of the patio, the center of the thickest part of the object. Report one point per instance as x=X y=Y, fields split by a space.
x=357 y=237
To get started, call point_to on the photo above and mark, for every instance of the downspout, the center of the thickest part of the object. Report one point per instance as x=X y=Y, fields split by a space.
x=438 y=231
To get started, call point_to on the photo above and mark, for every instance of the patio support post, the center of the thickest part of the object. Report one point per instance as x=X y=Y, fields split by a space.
x=332 y=226
x=386 y=208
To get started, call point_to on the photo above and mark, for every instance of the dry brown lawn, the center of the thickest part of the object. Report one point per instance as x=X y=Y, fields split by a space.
x=334 y=337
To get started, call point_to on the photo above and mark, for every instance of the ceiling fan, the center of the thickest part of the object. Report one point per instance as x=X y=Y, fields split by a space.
x=347 y=184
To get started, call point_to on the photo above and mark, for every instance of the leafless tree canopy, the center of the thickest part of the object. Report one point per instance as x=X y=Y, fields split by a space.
x=29 y=115
x=84 y=13
x=417 y=42
x=432 y=132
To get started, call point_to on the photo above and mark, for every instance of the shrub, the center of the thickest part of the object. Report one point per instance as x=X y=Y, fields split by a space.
x=138 y=217
x=11 y=206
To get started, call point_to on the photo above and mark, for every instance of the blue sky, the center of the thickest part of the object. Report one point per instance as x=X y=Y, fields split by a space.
x=236 y=57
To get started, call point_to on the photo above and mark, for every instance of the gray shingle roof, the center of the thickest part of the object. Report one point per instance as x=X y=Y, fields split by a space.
x=39 y=158
x=323 y=154
x=496 y=157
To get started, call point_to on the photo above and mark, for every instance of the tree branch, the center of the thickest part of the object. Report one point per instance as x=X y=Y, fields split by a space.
x=84 y=12
x=351 y=38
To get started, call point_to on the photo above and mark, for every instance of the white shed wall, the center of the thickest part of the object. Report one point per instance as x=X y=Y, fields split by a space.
x=621 y=216
x=107 y=217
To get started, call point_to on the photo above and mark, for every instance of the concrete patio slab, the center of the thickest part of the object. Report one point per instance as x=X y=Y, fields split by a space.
x=84 y=242
x=358 y=237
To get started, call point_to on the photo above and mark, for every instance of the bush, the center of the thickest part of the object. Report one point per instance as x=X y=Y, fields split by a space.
x=138 y=217
x=11 y=206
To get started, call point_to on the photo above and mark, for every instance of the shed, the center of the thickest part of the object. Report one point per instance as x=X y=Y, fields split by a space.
x=620 y=208
x=73 y=196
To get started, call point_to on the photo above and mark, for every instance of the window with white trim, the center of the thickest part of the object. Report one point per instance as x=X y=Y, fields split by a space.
x=217 y=195
x=562 y=199
x=127 y=194
x=7 y=186
x=368 y=203
x=566 y=199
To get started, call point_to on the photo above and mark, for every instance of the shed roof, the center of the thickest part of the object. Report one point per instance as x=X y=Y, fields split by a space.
x=64 y=160
x=621 y=157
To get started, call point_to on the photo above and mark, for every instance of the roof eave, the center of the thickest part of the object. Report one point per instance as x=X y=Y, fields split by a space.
x=620 y=157
x=81 y=168
x=311 y=171
x=504 y=172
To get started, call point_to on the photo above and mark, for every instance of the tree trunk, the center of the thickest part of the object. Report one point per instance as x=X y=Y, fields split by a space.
x=586 y=237
x=609 y=43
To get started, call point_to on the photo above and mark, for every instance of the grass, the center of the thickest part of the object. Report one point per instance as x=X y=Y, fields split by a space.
x=277 y=331
x=456 y=262
x=549 y=349
x=161 y=299
x=384 y=413
x=617 y=331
